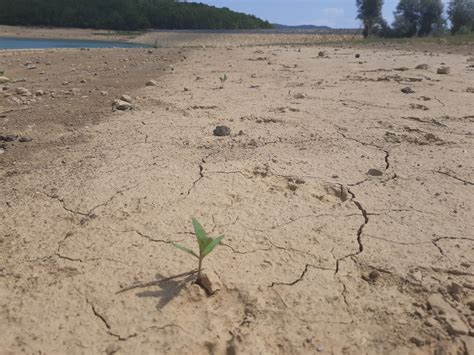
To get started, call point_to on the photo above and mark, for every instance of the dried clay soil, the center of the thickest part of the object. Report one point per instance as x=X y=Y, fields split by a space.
x=346 y=204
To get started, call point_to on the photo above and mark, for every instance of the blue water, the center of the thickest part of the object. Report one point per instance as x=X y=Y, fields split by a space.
x=29 y=43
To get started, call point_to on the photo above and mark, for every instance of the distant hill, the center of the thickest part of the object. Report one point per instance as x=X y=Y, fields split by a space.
x=300 y=27
x=124 y=15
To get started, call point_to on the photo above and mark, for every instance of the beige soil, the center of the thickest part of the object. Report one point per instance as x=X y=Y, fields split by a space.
x=346 y=204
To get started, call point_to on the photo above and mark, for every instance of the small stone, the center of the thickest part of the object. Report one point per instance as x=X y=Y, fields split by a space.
x=83 y=81
x=455 y=291
x=221 y=131
x=357 y=55
x=22 y=91
x=4 y=80
x=8 y=138
x=25 y=139
x=321 y=54
x=210 y=282
x=470 y=90
x=407 y=90
x=299 y=96
x=374 y=275
x=152 y=83
x=39 y=93
x=402 y=69
x=375 y=172
x=443 y=70
x=112 y=348
x=126 y=98
x=417 y=341
x=320 y=349
x=422 y=67
x=2 y=151
x=121 y=105
x=104 y=93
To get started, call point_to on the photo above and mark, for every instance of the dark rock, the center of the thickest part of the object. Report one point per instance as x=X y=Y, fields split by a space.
x=357 y=55
x=25 y=139
x=443 y=70
x=374 y=275
x=422 y=67
x=8 y=138
x=417 y=341
x=408 y=90
x=374 y=172
x=401 y=69
x=222 y=131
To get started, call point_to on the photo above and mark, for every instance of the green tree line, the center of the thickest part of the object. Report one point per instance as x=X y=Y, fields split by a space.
x=124 y=15
x=416 y=17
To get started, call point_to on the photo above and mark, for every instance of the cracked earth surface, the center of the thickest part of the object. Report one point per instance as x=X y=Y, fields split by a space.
x=347 y=213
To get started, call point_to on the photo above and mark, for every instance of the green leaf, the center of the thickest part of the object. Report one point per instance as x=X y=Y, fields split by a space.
x=187 y=250
x=201 y=236
x=210 y=247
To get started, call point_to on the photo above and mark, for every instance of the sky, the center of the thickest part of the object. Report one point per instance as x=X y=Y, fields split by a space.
x=333 y=13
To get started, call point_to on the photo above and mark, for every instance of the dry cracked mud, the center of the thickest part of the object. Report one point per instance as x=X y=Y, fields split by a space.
x=347 y=213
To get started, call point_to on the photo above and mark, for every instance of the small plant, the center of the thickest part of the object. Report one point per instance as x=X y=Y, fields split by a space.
x=206 y=246
x=223 y=79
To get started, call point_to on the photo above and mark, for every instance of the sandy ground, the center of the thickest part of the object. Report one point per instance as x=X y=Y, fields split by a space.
x=346 y=204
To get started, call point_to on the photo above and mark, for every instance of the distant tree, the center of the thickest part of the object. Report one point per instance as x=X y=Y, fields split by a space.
x=369 y=12
x=406 y=16
x=461 y=15
x=124 y=14
x=431 y=16
x=418 y=17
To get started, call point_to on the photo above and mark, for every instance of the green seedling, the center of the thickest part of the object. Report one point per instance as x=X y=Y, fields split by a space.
x=223 y=79
x=206 y=246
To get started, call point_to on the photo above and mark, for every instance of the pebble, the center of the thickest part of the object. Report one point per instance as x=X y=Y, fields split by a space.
x=422 y=67
x=357 y=55
x=152 y=83
x=126 y=98
x=408 y=90
x=417 y=341
x=25 y=139
x=39 y=93
x=470 y=90
x=112 y=349
x=443 y=70
x=4 y=80
x=321 y=54
x=121 y=105
x=8 y=138
x=210 y=281
x=221 y=131
x=375 y=172
x=22 y=91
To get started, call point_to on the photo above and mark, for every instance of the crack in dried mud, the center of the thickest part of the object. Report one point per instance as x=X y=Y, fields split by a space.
x=454 y=177
x=360 y=230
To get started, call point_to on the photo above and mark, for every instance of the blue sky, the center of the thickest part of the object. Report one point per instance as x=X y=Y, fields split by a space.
x=334 y=13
